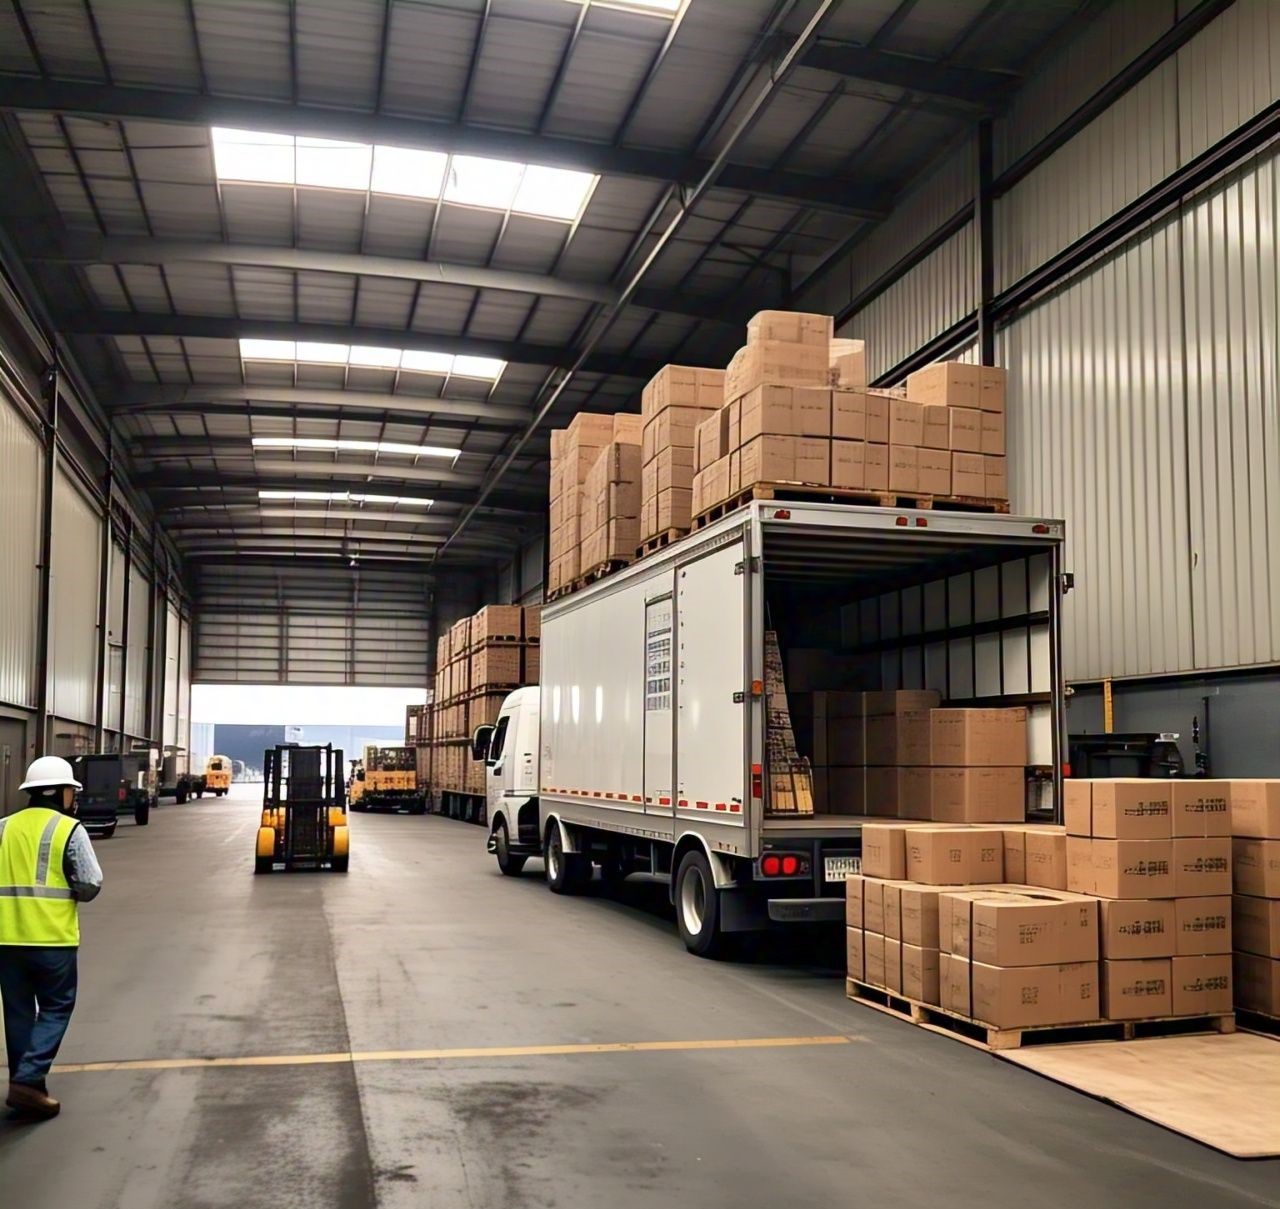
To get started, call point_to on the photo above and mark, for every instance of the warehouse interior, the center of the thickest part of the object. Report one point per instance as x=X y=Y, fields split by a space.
x=293 y=294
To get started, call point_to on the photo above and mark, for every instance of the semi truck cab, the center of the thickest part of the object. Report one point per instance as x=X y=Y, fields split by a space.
x=510 y=750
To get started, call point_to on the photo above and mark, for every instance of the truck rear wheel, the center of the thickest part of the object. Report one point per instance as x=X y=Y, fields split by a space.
x=512 y=866
x=567 y=872
x=698 y=906
x=142 y=813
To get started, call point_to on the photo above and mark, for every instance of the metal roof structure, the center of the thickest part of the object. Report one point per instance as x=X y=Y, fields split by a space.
x=729 y=145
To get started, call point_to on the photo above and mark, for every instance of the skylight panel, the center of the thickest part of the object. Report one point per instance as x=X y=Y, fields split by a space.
x=346 y=497
x=407 y=172
x=375 y=358
x=323 y=354
x=252 y=155
x=427 y=363
x=309 y=352
x=552 y=192
x=474 y=181
x=268 y=350
x=486 y=368
x=340 y=445
x=332 y=164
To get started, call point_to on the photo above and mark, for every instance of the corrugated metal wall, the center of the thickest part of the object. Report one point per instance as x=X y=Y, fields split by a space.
x=20 y=491
x=77 y=551
x=136 y=665
x=115 y=635
x=172 y=650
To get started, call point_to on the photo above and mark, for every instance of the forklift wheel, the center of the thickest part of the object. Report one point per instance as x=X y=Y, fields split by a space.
x=199 y=793
x=262 y=864
x=339 y=863
x=180 y=797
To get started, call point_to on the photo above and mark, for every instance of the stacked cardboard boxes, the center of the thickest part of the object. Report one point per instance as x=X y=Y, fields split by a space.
x=675 y=402
x=611 y=507
x=963 y=413
x=1255 y=826
x=1158 y=855
x=478 y=661
x=574 y=451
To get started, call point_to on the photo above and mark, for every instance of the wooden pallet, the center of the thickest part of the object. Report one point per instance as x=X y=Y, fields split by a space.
x=842 y=495
x=989 y=1037
x=1258 y=1022
x=600 y=571
x=659 y=541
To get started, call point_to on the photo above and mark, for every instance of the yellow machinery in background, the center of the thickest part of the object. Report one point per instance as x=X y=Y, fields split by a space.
x=217 y=776
x=387 y=779
x=304 y=818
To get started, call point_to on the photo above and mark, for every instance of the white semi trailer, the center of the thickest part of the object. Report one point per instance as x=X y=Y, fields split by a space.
x=644 y=749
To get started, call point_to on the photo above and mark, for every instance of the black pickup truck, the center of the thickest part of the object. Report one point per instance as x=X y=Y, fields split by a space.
x=114 y=785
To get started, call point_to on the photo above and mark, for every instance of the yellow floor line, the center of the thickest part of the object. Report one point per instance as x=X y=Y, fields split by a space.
x=447 y=1055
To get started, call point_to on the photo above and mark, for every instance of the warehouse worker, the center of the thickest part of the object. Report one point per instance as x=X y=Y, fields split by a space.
x=47 y=867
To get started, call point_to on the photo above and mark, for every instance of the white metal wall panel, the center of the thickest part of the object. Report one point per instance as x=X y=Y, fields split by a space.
x=135 y=703
x=115 y=632
x=172 y=649
x=1096 y=437
x=1232 y=291
x=73 y=653
x=184 y=685
x=20 y=490
x=938 y=292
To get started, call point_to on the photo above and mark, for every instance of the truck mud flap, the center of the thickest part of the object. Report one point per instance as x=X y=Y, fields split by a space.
x=806 y=910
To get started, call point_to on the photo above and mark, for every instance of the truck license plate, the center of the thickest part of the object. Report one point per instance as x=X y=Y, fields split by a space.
x=841 y=868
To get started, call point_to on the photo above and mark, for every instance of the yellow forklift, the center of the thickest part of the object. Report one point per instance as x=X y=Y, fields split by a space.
x=217 y=775
x=387 y=779
x=304 y=817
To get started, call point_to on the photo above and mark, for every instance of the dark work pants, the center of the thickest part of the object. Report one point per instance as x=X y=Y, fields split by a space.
x=38 y=986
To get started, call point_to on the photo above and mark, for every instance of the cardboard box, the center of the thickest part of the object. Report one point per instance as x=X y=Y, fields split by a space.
x=1134 y=990
x=1137 y=928
x=499 y=665
x=993 y=439
x=848 y=464
x=943 y=856
x=1202 y=985
x=1255 y=866
x=995 y=478
x=1120 y=868
x=873 y=904
x=768 y=459
x=1015 y=854
x=977 y=795
x=875 y=470
x=919 y=979
x=1202 y=866
x=894 y=793
x=904 y=468
x=969 y=475
x=1257 y=983
x=711 y=439
x=675 y=426
x=813 y=460
x=1010 y=927
x=1255 y=808
x=893 y=964
x=992 y=381
x=1046 y=857
x=848 y=360
x=877 y=405
x=979 y=737
x=1024 y=996
x=682 y=386
x=911 y=737
x=935 y=471
x=884 y=851
x=951 y=382
x=496 y=621
x=853 y=901
x=964 y=433
x=794 y=327
x=849 y=415
x=1203 y=925
x=1200 y=808
x=1255 y=924
x=767 y=410
x=779 y=362
x=911 y=913
x=846 y=791
x=936 y=427
x=953 y=984
x=1125 y=808
x=906 y=423
x=811 y=411
x=673 y=510
x=714 y=486
x=855 y=954
x=873 y=950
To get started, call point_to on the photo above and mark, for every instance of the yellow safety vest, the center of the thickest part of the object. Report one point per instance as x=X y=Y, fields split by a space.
x=36 y=906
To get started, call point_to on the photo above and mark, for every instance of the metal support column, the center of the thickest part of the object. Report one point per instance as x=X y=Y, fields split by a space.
x=104 y=608
x=45 y=639
x=155 y=736
x=983 y=226
x=124 y=631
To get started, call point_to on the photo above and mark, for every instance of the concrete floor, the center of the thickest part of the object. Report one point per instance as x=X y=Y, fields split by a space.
x=424 y=945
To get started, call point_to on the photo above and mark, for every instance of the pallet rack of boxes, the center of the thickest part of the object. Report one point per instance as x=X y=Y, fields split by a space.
x=479 y=661
x=1255 y=826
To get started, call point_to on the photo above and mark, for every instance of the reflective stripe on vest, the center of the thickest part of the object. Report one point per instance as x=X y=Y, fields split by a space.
x=36 y=902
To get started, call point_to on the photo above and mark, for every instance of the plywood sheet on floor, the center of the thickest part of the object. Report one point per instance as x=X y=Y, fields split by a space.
x=1223 y=1091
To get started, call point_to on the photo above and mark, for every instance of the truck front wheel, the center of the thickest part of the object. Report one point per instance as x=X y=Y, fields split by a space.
x=512 y=866
x=567 y=872
x=698 y=906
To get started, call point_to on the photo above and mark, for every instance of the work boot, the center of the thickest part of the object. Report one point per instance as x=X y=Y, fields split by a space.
x=28 y=1101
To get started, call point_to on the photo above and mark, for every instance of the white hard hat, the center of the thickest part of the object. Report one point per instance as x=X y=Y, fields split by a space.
x=49 y=772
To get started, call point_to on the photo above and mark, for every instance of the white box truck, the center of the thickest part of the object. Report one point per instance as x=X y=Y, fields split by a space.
x=644 y=748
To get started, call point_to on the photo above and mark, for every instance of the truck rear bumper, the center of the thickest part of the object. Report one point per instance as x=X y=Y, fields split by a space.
x=805 y=910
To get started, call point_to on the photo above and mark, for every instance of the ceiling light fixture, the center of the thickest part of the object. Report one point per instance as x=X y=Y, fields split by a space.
x=263 y=158
x=304 y=352
x=342 y=445
x=346 y=497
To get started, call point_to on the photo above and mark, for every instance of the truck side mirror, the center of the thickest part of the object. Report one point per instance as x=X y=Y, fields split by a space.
x=481 y=741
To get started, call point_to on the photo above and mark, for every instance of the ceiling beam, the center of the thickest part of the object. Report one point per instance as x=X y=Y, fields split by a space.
x=85 y=248
x=250 y=399
x=229 y=515
x=85 y=99
x=971 y=85
x=240 y=453
x=220 y=327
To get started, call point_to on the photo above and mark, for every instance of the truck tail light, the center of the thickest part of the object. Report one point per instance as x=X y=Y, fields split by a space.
x=785 y=864
x=121 y=795
x=757 y=781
